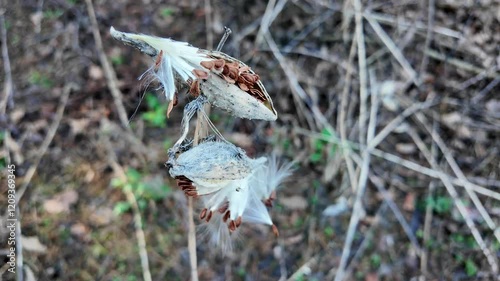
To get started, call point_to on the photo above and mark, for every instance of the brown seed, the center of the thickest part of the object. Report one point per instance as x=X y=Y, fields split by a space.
x=223 y=208
x=191 y=193
x=243 y=87
x=194 y=89
x=219 y=64
x=209 y=216
x=258 y=94
x=244 y=69
x=232 y=226
x=200 y=74
x=275 y=230
x=203 y=213
x=208 y=64
x=158 y=60
x=238 y=221
x=226 y=216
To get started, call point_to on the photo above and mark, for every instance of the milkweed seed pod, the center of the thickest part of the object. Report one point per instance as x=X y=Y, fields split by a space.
x=212 y=165
x=234 y=87
x=229 y=183
x=228 y=83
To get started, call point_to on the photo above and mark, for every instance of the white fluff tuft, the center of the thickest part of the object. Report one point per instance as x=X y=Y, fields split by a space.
x=245 y=198
x=218 y=235
x=179 y=59
x=269 y=177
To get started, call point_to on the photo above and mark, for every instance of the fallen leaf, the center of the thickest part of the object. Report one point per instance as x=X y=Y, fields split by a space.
x=102 y=216
x=405 y=148
x=409 y=202
x=32 y=244
x=78 y=126
x=337 y=208
x=80 y=230
x=61 y=202
x=294 y=202
x=95 y=72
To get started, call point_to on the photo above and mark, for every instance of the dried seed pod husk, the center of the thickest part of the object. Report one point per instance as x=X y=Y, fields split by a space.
x=236 y=89
x=212 y=165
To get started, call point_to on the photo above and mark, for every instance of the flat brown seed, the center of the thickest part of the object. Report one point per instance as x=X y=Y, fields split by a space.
x=209 y=216
x=275 y=230
x=200 y=74
x=191 y=193
x=223 y=208
x=238 y=221
x=208 y=64
x=232 y=226
x=226 y=216
x=219 y=64
x=203 y=213
x=158 y=60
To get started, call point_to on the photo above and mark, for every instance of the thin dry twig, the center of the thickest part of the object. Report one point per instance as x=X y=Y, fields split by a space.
x=209 y=25
x=431 y=10
x=46 y=142
x=460 y=175
x=297 y=90
x=388 y=19
x=341 y=124
x=402 y=162
x=109 y=72
x=272 y=11
x=393 y=48
x=456 y=199
x=366 y=154
x=139 y=233
x=397 y=213
x=428 y=213
x=462 y=64
x=7 y=88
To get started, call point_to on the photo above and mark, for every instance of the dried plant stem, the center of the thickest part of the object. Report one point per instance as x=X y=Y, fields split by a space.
x=139 y=233
x=341 y=125
x=456 y=199
x=393 y=48
x=8 y=89
x=366 y=154
x=403 y=162
x=46 y=142
x=200 y=132
x=108 y=69
x=192 y=241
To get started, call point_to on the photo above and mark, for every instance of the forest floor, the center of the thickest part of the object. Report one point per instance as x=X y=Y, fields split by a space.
x=390 y=110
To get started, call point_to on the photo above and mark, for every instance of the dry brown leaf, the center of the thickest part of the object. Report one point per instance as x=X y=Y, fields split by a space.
x=79 y=126
x=102 y=216
x=294 y=202
x=32 y=244
x=95 y=72
x=61 y=202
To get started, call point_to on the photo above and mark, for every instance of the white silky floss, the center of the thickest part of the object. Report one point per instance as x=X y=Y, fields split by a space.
x=177 y=59
x=223 y=174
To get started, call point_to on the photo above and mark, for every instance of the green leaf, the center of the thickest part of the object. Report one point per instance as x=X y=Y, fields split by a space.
x=470 y=268
x=121 y=208
x=117 y=182
x=166 y=12
x=133 y=175
x=316 y=157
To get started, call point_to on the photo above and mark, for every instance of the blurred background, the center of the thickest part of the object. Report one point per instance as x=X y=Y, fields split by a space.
x=389 y=108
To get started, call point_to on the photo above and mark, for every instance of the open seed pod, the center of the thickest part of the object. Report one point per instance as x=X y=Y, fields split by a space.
x=232 y=86
x=212 y=165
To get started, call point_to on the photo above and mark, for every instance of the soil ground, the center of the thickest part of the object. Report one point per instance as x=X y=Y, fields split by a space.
x=423 y=195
